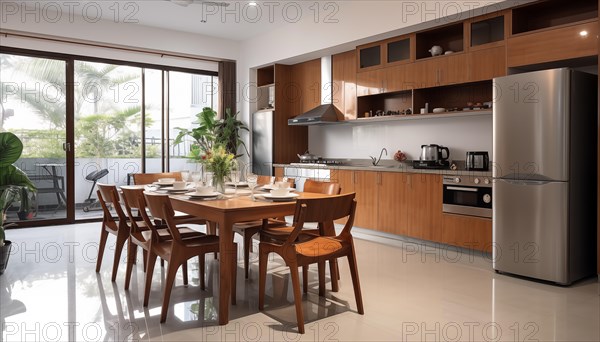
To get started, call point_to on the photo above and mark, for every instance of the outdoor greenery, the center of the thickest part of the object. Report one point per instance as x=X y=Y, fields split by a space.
x=104 y=128
x=14 y=183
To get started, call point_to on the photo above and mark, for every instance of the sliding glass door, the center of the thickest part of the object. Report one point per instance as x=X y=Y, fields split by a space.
x=108 y=129
x=84 y=122
x=33 y=106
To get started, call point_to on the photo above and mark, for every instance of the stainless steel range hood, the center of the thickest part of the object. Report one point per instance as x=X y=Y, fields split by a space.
x=326 y=112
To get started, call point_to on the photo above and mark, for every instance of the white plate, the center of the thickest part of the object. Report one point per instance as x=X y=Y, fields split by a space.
x=203 y=195
x=273 y=187
x=163 y=183
x=170 y=189
x=280 y=198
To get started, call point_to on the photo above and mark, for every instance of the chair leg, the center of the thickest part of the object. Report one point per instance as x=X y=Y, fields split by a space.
x=335 y=275
x=171 y=273
x=201 y=270
x=149 y=271
x=355 y=281
x=297 y=297
x=145 y=257
x=103 y=237
x=262 y=277
x=247 y=248
x=305 y=278
x=185 y=273
x=121 y=239
x=321 y=268
x=131 y=256
x=234 y=276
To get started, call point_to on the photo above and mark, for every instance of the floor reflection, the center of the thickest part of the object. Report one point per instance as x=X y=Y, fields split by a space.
x=412 y=292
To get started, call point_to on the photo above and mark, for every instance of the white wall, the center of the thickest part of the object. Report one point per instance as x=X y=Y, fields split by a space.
x=459 y=134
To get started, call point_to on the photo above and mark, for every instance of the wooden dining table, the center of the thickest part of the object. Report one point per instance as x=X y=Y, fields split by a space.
x=224 y=213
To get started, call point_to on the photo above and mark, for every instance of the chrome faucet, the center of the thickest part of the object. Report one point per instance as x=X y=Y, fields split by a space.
x=376 y=161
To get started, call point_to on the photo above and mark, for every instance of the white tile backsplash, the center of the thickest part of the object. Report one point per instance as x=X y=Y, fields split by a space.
x=459 y=134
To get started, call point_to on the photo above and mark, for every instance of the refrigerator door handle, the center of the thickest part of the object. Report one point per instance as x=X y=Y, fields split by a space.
x=523 y=182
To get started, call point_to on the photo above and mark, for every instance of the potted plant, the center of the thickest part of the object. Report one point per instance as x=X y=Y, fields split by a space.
x=212 y=132
x=14 y=184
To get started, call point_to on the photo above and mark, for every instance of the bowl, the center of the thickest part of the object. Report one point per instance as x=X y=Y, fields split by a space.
x=204 y=189
x=439 y=110
x=448 y=52
x=179 y=185
x=280 y=192
x=166 y=180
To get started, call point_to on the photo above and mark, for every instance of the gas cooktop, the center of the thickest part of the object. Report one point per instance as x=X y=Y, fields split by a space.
x=319 y=162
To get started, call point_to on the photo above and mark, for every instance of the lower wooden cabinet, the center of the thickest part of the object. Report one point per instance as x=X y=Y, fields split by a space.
x=467 y=231
x=410 y=204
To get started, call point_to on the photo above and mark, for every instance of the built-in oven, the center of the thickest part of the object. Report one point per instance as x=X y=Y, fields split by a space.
x=467 y=195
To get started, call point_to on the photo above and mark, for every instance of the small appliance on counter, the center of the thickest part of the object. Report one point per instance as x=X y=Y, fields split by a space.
x=432 y=157
x=477 y=161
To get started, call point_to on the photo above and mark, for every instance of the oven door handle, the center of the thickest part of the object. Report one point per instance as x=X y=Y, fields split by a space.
x=458 y=188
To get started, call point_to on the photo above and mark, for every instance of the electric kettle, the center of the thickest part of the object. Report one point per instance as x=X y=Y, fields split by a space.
x=434 y=152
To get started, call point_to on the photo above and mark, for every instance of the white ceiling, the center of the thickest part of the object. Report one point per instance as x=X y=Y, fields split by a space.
x=239 y=21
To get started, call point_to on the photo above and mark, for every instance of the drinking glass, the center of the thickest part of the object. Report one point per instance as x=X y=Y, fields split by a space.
x=185 y=175
x=196 y=177
x=251 y=179
x=208 y=178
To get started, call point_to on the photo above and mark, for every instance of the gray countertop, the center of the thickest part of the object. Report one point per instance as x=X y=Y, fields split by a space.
x=394 y=166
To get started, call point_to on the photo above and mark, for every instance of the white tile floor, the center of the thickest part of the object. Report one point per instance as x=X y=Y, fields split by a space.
x=50 y=292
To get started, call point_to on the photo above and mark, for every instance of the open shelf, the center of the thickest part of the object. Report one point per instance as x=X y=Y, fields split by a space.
x=453 y=96
x=450 y=38
x=396 y=102
x=545 y=14
x=379 y=119
x=265 y=76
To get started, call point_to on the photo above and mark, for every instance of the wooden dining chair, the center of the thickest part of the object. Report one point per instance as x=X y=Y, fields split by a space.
x=176 y=251
x=248 y=229
x=149 y=178
x=118 y=226
x=139 y=233
x=316 y=250
x=181 y=218
x=280 y=233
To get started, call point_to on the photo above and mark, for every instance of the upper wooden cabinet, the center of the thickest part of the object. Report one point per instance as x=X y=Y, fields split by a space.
x=387 y=52
x=550 y=31
x=344 y=83
x=440 y=71
x=568 y=42
x=265 y=76
x=485 y=64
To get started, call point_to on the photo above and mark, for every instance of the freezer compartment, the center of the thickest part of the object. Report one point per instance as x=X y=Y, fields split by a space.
x=531 y=229
x=531 y=119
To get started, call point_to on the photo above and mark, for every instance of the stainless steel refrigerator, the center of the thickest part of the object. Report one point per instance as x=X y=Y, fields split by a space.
x=544 y=189
x=262 y=142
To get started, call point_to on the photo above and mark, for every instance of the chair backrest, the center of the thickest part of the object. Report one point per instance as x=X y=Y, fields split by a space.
x=160 y=208
x=149 y=178
x=262 y=180
x=108 y=195
x=132 y=197
x=326 y=209
x=327 y=188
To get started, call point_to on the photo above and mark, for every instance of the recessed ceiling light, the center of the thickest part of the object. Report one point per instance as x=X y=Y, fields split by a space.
x=583 y=33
